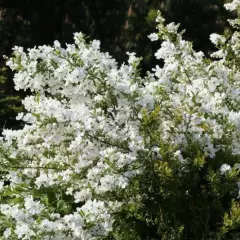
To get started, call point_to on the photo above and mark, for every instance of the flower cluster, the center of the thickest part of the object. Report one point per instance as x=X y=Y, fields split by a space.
x=92 y=129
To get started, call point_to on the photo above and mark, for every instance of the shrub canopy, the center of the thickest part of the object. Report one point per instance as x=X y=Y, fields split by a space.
x=107 y=153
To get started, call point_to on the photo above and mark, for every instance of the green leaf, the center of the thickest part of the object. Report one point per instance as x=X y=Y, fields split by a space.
x=16 y=200
x=19 y=189
x=45 y=200
x=61 y=205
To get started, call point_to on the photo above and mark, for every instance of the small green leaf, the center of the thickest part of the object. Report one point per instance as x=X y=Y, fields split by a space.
x=45 y=200
x=61 y=205
x=82 y=214
x=16 y=201
x=19 y=189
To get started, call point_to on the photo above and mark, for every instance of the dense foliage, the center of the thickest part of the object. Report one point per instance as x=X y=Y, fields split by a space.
x=32 y=23
x=109 y=153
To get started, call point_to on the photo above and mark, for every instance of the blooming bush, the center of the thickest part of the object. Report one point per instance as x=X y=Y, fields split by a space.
x=107 y=153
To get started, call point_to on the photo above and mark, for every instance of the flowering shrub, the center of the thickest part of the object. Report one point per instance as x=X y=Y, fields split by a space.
x=108 y=154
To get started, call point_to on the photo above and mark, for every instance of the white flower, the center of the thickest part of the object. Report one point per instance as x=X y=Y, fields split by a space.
x=167 y=50
x=7 y=233
x=153 y=37
x=179 y=156
x=32 y=206
x=232 y=5
x=224 y=168
x=172 y=27
x=132 y=58
x=96 y=44
x=83 y=195
x=1 y=185
x=235 y=118
x=45 y=180
x=216 y=39
x=22 y=230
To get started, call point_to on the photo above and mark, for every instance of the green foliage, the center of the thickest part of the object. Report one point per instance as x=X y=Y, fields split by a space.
x=177 y=203
x=231 y=223
x=10 y=104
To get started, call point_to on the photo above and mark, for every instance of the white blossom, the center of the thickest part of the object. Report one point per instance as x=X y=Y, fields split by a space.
x=224 y=168
x=153 y=37
x=217 y=39
x=232 y=5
